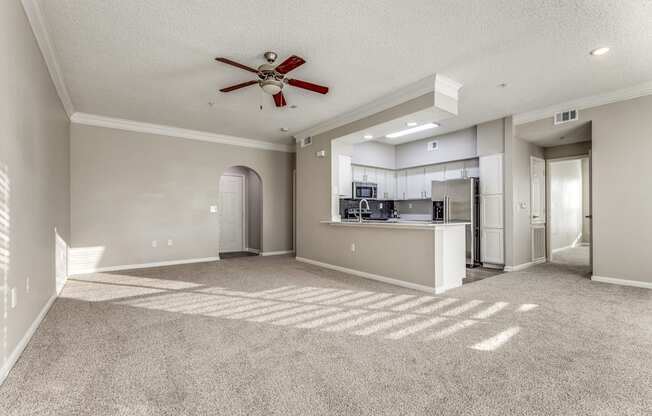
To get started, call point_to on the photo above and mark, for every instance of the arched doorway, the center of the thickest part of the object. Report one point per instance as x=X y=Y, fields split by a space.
x=240 y=212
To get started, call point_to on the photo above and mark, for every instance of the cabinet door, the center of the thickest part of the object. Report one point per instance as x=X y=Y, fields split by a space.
x=454 y=170
x=472 y=168
x=415 y=184
x=491 y=174
x=390 y=184
x=491 y=211
x=401 y=185
x=492 y=250
x=358 y=174
x=433 y=173
x=345 y=177
x=380 y=181
x=370 y=175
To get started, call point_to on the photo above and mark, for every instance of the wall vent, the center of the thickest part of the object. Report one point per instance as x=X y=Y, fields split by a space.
x=307 y=141
x=538 y=243
x=433 y=145
x=565 y=116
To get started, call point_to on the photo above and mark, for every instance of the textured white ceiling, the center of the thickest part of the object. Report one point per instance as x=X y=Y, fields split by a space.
x=152 y=60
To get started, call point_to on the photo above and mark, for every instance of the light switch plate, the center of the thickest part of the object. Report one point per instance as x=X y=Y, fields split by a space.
x=213 y=209
x=154 y=243
x=169 y=242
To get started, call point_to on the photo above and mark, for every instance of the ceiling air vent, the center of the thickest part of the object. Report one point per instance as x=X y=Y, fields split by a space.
x=565 y=116
x=306 y=141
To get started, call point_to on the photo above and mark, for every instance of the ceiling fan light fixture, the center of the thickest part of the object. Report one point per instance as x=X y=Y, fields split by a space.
x=271 y=86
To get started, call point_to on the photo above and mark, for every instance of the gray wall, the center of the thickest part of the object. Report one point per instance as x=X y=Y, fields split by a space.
x=567 y=150
x=131 y=188
x=34 y=178
x=457 y=145
x=380 y=155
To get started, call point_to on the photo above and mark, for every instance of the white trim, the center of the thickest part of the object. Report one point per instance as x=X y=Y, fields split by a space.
x=523 y=266
x=623 y=94
x=622 y=282
x=142 y=265
x=162 y=130
x=384 y=279
x=276 y=253
x=419 y=88
x=15 y=354
x=252 y=250
x=44 y=41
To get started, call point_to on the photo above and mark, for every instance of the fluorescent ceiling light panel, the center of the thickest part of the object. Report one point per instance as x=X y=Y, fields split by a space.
x=416 y=129
x=411 y=123
x=368 y=137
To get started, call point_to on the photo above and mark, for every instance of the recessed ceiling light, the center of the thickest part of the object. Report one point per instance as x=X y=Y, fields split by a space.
x=599 y=51
x=411 y=123
x=502 y=85
x=284 y=129
x=417 y=129
x=368 y=137
x=294 y=106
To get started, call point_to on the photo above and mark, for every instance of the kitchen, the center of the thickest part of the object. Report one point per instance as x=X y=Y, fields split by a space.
x=416 y=183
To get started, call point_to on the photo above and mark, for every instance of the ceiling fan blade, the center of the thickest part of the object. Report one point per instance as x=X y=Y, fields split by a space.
x=234 y=63
x=289 y=64
x=279 y=99
x=238 y=86
x=308 y=86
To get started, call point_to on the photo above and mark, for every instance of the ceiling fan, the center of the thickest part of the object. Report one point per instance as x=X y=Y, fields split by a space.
x=273 y=78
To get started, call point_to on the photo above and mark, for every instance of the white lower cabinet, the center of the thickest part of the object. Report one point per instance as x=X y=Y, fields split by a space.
x=491 y=211
x=492 y=242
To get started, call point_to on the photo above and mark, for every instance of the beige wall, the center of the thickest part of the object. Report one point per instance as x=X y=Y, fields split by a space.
x=34 y=179
x=131 y=188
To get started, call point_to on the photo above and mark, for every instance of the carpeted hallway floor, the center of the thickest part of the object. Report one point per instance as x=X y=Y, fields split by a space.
x=271 y=336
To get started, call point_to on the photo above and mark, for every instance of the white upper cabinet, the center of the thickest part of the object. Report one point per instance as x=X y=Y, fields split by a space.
x=433 y=173
x=454 y=170
x=390 y=184
x=358 y=174
x=401 y=185
x=416 y=181
x=345 y=178
x=370 y=175
x=491 y=174
x=382 y=183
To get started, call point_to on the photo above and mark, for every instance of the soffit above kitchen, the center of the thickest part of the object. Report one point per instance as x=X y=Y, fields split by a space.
x=153 y=60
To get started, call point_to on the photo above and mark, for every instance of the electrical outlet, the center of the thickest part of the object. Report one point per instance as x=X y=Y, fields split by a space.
x=213 y=209
x=13 y=297
x=352 y=246
x=410 y=205
x=169 y=242
x=154 y=243
x=27 y=285
x=380 y=206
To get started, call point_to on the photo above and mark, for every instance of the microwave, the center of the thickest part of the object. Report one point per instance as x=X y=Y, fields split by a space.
x=365 y=190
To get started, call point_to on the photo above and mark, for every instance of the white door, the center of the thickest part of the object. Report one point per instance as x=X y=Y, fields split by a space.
x=538 y=190
x=231 y=213
x=401 y=185
x=61 y=261
x=492 y=246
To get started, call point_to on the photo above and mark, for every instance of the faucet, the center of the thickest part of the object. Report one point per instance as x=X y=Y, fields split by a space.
x=360 y=208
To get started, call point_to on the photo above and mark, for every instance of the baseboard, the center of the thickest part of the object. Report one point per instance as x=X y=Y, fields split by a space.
x=524 y=266
x=622 y=282
x=15 y=354
x=493 y=266
x=143 y=265
x=384 y=279
x=252 y=250
x=276 y=253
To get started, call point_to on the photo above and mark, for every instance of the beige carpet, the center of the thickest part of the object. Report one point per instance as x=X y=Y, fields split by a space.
x=270 y=336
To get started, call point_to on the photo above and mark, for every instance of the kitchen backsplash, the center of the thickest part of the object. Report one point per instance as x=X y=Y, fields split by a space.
x=379 y=209
x=415 y=209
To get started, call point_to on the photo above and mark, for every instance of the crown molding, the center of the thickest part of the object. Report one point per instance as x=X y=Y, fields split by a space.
x=419 y=88
x=611 y=97
x=44 y=41
x=162 y=130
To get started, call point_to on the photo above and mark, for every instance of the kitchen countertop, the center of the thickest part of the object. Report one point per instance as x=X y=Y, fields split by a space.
x=396 y=223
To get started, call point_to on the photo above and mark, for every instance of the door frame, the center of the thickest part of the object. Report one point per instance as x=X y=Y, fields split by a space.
x=244 y=213
x=549 y=204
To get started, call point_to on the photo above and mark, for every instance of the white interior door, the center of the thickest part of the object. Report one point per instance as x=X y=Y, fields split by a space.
x=231 y=213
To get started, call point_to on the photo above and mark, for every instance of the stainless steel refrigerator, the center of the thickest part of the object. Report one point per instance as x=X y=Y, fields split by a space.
x=460 y=201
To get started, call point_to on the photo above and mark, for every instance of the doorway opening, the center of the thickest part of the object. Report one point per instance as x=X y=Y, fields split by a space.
x=240 y=212
x=569 y=212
